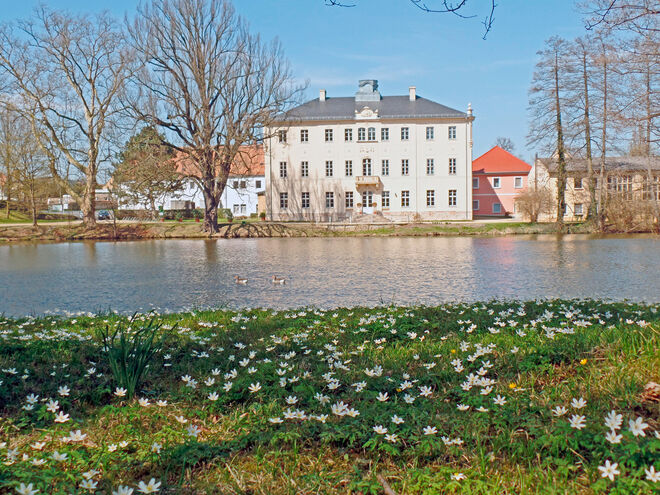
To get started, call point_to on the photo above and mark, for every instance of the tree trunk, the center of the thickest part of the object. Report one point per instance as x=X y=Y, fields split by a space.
x=88 y=206
x=210 y=213
x=591 y=212
x=601 y=191
x=561 y=159
x=154 y=210
x=649 y=172
x=33 y=206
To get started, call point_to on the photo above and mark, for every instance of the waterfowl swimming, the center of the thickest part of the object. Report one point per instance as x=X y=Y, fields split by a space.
x=239 y=280
x=278 y=280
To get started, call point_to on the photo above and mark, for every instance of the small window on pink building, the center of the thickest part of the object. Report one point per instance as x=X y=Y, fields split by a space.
x=518 y=182
x=497 y=182
x=497 y=208
x=475 y=182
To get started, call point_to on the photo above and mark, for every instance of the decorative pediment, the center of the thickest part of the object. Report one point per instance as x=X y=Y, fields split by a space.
x=366 y=113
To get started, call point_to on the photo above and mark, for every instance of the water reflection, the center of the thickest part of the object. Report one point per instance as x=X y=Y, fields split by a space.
x=176 y=274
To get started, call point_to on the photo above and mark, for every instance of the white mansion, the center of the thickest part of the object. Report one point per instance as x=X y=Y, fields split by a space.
x=406 y=157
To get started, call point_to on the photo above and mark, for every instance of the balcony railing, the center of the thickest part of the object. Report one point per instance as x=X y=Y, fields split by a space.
x=367 y=180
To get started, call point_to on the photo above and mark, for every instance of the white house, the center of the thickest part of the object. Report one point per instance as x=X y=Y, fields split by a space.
x=334 y=159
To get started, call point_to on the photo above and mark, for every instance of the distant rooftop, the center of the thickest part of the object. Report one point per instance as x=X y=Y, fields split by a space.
x=498 y=160
x=377 y=106
x=612 y=164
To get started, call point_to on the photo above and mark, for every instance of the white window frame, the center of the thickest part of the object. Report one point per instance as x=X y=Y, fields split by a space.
x=451 y=132
x=405 y=195
x=284 y=200
x=329 y=200
x=499 y=182
x=329 y=136
x=515 y=182
x=452 y=198
x=304 y=168
x=473 y=179
x=405 y=166
x=304 y=136
x=305 y=198
x=329 y=168
x=405 y=133
x=348 y=200
x=348 y=168
x=451 y=165
x=385 y=167
x=385 y=199
x=284 y=173
x=430 y=198
x=385 y=134
x=430 y=166
x=348 y=135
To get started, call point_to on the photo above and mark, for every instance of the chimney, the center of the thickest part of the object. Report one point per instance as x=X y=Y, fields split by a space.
x=322 y=95
x=412 y=93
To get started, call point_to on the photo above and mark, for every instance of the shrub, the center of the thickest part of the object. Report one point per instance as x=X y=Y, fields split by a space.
x=535 y=202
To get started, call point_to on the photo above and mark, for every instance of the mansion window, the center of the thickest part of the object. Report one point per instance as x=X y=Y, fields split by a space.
x=577 y=183
x=430 y=198
x=281 y=136
x=361 y=134
x=304 y=136
x=371 y=134
x=430 y=166
x=328 y=168
x=518 y=182
x=497 y=208
x=329 y=200
x=651 y=190
x=621 y=184
x=429 y=133
x=328 y=135
x=257 y=184
x=385 y=134
x=348 y=135
x=349 y=199
x=497 y=182
x=284 y=200
x=385 y=167
x=304 y=200
x=386 y=199
x=405 y=133
x=405 y=199
x=475 y=182
x=349 y=168
x=578 y=209
x=304 y=169
x=283 y=172
x=452 y=197
x=452 y=166
x=366 y=166
x=451 y=132
x=404 y=167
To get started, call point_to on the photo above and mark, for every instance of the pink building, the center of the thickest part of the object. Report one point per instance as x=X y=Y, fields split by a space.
x=497 y=178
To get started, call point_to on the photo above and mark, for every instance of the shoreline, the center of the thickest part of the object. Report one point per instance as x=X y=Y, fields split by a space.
x=124 y=231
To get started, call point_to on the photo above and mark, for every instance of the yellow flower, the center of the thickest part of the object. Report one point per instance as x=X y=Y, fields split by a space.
x=583 y=361
x=512 y=385
x=453 y=351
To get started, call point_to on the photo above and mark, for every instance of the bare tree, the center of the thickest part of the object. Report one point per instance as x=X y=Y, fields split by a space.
x=505 y=143
x=457 y=7
x=546 y=98
x=642 y=16
x=209 y=84
x=534 y=202
x=8 y=139
x=30 y=169
x=66 y=73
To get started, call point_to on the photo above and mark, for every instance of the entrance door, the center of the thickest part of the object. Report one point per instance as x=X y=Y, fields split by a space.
x=367 y=202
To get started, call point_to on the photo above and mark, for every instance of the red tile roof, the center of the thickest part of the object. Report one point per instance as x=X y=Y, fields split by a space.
x=498 y=160
x=249 y=162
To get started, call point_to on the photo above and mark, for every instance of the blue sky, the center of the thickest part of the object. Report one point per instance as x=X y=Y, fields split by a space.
x=390 y=40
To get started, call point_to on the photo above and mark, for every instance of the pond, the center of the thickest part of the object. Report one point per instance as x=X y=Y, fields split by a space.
x=171 y=275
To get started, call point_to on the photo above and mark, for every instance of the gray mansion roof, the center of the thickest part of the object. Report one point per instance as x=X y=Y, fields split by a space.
x=346 y=108
x=613 y=164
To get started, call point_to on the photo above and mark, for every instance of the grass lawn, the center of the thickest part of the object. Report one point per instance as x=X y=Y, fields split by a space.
x=498 y=397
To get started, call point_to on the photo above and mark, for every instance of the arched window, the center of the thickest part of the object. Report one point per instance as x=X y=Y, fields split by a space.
x=366 y=166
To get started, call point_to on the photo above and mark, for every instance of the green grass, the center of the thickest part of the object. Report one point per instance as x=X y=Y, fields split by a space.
x=534 y=357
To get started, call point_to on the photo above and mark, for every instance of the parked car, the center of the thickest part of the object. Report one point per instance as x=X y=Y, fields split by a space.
x=103 y=215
